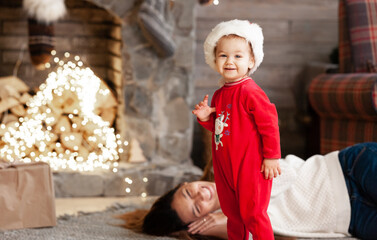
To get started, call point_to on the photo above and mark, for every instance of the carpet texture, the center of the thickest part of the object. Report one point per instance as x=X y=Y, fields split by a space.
x=89 y=226
x=84 y=226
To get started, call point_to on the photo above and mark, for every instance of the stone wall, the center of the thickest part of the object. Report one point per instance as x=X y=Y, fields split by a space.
x=297 y=33
x=158 y=92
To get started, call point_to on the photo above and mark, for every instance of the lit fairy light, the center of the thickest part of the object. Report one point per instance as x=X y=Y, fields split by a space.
x=128 y=190
x=143 y=195
x=216 y=2
x=128 y=180
x=32 y=138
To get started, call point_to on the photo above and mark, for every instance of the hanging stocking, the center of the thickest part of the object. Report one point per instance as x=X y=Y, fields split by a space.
x=41 y=42
x=152 y=19
x=41 y=17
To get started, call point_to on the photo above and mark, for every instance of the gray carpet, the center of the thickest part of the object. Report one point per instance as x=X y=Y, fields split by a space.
x=87 y=226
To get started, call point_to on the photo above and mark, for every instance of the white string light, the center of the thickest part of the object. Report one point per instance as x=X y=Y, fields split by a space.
x=32 y=139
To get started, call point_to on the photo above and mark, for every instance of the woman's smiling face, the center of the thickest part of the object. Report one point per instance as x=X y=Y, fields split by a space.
x=194 y=200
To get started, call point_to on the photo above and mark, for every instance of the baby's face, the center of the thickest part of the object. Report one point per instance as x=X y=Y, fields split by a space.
x=233 y=58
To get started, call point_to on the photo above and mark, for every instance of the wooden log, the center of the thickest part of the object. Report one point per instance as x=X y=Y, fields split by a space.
x=77 y=120
x=71 y=104
x=109 y=115
x=53 y=137
x=71 y=140
x=89 y=127
x=65 y=100
x=87 y=145
x=7 y=91
x=58 y=147
x=15 y=82
x=84 y=152
x=56 y=102
x=63 y=125
x=9 y=119
x=28 y=150
x=105 y=97
x=42 y=145
x=93 y=140
x=3 y=129
x=57 y=111
x=25 y=97
x=18 y=110
x=8 y=103
x=49 y=149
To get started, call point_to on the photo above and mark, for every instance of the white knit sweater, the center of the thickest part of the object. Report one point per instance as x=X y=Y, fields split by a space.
x=310 y=198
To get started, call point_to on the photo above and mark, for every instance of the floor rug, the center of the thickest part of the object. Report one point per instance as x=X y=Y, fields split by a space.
x=88 y=226
x=84 y=226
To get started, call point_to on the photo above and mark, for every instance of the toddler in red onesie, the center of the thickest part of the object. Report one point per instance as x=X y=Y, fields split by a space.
x=244 y=125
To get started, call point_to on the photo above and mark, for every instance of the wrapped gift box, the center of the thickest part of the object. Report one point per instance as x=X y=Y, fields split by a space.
x=26 y=196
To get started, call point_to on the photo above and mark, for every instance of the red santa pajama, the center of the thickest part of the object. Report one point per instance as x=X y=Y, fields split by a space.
x=245 y=131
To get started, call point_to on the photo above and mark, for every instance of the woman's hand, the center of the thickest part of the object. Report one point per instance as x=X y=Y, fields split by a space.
x=208 y=224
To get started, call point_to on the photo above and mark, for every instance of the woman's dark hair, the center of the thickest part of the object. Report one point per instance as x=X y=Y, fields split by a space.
x=162 y=220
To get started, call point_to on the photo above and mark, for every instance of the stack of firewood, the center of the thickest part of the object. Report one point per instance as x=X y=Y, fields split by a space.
x=68 y=131
x=14 y=94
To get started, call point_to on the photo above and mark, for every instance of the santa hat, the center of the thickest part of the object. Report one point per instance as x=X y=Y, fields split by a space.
x=252 y=32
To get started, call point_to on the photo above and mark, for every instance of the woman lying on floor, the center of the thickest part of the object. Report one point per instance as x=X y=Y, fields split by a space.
x=323 y=197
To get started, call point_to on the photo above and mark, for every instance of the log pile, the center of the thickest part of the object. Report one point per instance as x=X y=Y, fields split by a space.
x=14 y=94
x=61 y=130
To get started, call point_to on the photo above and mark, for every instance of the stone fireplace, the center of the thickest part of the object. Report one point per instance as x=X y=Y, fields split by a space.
x=154 y=93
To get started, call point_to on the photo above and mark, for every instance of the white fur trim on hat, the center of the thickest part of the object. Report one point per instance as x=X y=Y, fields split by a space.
x=45 y=11
x=252 y=32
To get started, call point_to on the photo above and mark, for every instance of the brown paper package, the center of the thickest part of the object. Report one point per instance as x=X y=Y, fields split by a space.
x=26 y=196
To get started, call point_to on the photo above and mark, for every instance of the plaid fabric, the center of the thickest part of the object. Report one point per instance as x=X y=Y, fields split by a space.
x=362 y=27
x=347 y=106
x=345 y=62
x=350 y=96
x=336 y=134
x=374 y=95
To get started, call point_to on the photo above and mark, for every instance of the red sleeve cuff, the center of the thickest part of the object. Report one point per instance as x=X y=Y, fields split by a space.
x=209 y=125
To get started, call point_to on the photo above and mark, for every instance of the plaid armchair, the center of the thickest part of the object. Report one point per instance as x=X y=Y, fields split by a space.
x=346 y=102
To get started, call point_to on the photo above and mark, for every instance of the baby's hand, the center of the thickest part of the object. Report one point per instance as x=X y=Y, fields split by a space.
x=202 y=110
x=271 y=168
